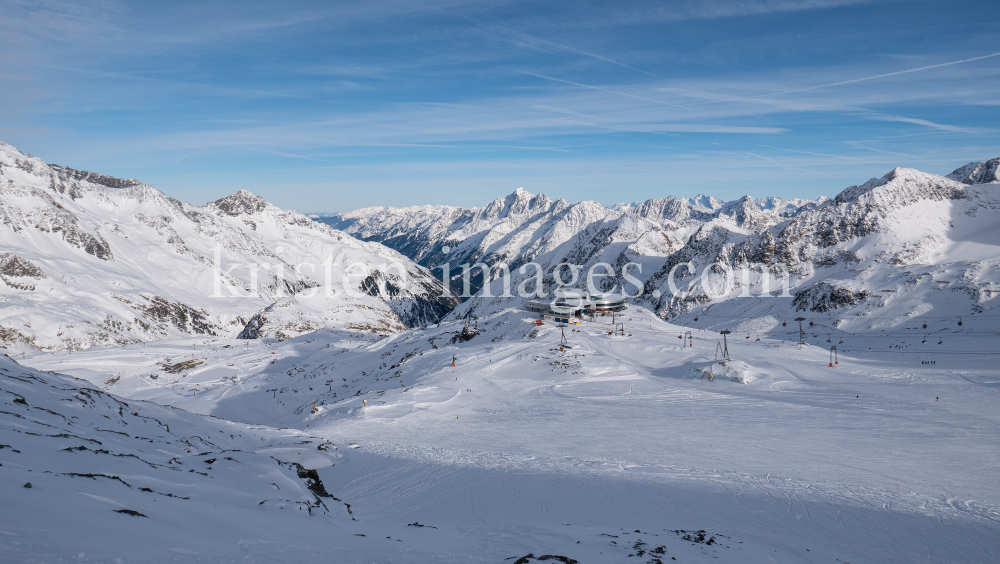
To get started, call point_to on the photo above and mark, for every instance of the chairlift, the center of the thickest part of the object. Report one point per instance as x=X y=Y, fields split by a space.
x=940 y=341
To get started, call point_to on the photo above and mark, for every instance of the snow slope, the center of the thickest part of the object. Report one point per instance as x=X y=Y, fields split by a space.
x=87 y=260
x=616 y=441
x=86 y=473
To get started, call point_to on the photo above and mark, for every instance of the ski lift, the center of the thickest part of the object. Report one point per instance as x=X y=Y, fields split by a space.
x=925 y=326
x=696 y=319
x=940 y=341
x=924 y=341
x=841 y=342
x=748 y=335
x=783 y=324
x=810 y=323
x=959 y=321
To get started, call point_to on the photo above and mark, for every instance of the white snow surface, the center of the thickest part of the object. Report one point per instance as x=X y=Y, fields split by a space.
x=599 y=451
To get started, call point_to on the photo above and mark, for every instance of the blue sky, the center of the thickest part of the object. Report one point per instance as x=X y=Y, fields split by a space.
x=334 y=106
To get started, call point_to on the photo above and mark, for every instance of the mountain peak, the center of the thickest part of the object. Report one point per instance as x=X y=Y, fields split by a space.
x=241 y=202
x=704 y=203
x=984 y=172
x=521 y=201
x=902 y=185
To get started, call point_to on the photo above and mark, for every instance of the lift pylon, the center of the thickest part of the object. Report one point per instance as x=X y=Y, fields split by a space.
x=725 y=346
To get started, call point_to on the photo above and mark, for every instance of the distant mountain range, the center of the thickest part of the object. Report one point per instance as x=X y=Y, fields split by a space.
x=521 y=227
x=931 y=242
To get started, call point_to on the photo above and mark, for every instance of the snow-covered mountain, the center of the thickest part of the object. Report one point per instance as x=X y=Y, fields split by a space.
x=901 y=245
x=87 y=259
x=906 y=245
x=522 y=227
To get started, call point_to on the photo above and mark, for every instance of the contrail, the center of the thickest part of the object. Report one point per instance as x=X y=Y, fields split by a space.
x=485 y=28
x=852 y=81
x=887 y=74
x=599 y=88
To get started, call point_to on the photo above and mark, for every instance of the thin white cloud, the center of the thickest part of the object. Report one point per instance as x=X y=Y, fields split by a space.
x=533 y=42
x=598 y=88
x=806 y=152
x=719 y=9
x=849 y=81
x=924 y=122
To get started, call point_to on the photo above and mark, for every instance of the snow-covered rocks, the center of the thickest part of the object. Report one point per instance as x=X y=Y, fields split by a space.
x=731 y=370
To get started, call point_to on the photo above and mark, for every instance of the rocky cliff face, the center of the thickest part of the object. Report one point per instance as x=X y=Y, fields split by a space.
x=89 y=259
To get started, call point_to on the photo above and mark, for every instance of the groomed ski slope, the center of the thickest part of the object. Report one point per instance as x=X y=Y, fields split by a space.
x=525 y=448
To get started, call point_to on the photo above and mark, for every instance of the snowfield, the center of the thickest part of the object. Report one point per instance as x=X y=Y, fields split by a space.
x=523 y=448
